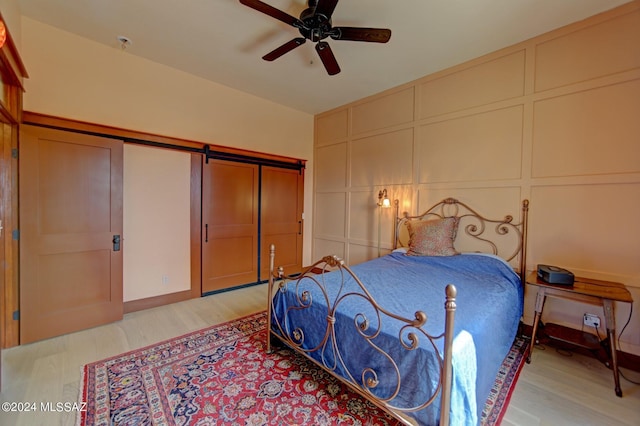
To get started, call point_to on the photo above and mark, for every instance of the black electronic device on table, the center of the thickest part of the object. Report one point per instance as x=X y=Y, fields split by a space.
x=555 y=275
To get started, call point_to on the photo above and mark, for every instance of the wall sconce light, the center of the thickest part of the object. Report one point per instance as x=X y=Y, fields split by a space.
x=383 y=202
x=383 y=199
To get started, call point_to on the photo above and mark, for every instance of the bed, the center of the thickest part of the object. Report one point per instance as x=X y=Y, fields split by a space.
x=422 y=331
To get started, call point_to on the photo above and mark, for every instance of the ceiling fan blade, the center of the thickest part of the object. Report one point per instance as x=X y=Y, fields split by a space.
x=285 y=48
x=375 y=35
x=326 y=7
x=326 y=55
x=273 y=12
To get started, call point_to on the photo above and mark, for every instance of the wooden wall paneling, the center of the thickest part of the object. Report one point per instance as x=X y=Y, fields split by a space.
x=382 y=112
x=325 y=247
x=363 y=220
x=330 y=220
x=331 y=174
x=361 y=253
x=332 y=127
x=483 y=146
x=589 y=52
x=494 y=80
x=556 y=114
x=598 y=224
x=331 y=167
x=383 y=158
x=572 y=133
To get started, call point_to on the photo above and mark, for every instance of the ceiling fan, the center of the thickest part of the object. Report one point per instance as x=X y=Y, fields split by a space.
x=315 y=24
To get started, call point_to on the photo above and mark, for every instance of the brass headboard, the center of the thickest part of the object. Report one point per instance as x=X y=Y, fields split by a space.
x=476 y=233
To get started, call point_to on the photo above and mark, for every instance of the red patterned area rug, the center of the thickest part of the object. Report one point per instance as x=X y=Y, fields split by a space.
x=222 y=376
x=498 y=400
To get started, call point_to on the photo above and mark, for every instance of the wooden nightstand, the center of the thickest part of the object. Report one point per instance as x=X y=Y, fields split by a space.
x=595 y=292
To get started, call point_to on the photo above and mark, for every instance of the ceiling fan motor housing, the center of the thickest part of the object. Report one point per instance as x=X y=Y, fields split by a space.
x=315 y=26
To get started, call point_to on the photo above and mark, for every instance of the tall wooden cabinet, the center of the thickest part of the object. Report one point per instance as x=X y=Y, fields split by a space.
x=246 y=207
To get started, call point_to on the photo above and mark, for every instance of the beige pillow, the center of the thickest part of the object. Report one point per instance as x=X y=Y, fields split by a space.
x=432 y=237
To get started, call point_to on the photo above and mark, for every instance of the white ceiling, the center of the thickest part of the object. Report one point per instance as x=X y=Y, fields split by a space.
x=223 y=41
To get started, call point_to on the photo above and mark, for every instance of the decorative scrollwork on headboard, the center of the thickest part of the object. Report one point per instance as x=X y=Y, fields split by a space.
x=476 y=233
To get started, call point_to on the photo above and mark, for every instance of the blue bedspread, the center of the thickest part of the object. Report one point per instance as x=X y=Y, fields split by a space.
x=489 y=307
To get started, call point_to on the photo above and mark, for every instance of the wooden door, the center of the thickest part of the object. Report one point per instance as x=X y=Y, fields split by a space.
x=230 y=224
x=4 y=204
x=281 y=195
x=70 y=213
x=3 y=263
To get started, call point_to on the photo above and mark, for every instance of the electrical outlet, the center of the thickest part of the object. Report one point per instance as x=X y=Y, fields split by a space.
x=165 y=280
x=591 y=320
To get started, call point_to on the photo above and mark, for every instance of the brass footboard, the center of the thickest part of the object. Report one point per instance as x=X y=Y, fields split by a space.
x=368 y=326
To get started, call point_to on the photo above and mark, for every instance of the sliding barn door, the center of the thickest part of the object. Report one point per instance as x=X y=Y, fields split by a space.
x=70 y=232
x=230 y=194
x=281 y=218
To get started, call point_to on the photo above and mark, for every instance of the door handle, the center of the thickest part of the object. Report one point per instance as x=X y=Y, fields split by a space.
x=116 y=243
x=206 y=233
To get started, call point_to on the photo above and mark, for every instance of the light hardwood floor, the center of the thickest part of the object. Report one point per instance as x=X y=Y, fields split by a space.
x=553 y=390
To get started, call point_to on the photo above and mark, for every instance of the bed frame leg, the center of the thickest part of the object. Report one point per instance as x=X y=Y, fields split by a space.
x=272 y=255
x=450 y=309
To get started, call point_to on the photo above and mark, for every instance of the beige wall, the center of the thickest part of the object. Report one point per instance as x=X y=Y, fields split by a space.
x=76 y=78
x=11 y=14
x=555 y=119
x=156 y=244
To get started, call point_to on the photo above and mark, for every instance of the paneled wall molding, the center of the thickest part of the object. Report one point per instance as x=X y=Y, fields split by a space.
x=382 y=130
x=594 y=179
x=580 y=86
x=480 y=109
x=553 y=119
